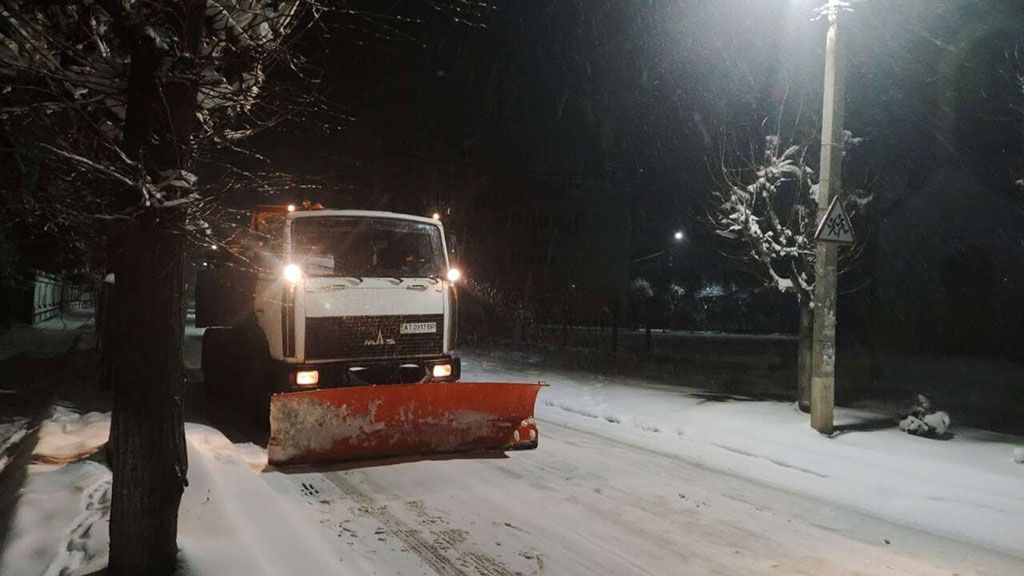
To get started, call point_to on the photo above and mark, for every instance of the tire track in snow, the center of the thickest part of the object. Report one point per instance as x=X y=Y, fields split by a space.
x=473 y=562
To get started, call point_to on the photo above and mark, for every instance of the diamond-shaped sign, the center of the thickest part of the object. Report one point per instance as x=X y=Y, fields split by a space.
x=836 y=227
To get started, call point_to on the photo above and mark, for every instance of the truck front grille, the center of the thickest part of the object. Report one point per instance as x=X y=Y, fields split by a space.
x=371 y=337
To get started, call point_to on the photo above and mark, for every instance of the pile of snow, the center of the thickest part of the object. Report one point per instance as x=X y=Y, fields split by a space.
x=230 y=521
x=1018 y=455
x=68 y=436
x=924 y=420
x=11 y=433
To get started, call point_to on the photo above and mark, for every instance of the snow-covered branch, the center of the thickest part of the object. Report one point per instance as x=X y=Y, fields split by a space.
x=770 y=209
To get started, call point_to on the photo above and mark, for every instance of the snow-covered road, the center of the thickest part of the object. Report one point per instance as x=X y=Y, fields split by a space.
x=600 y=497
x=585 y=504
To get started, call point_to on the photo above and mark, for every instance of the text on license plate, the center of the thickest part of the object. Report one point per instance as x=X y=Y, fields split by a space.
x=419 y=327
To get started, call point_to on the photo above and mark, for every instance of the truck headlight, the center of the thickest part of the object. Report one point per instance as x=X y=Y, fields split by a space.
x=442 y=370
x=292 y=274
x=307 y=378
x=454 y=274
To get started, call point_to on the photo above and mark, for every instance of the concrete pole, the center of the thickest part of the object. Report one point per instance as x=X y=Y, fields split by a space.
x=824 y=344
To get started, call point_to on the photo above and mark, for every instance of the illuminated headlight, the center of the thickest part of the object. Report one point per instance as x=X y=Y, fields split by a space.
x=454 y=274
x=292 y=273
x=307 y=378
x=442 y=370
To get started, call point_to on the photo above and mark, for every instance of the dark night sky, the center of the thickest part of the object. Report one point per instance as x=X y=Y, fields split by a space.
x=631 y=107
x=648 y=95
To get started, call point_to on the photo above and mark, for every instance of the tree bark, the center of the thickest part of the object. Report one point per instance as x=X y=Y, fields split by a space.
x=147 y=440
x=804 y=357
x=149 y=460
x=615 y=326
x=565 y=326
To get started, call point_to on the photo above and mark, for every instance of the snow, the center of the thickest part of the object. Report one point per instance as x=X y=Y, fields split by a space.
x=672 y=476
x=60 y=525
x=964 y=488
x=230 y=523
x=11 y=432
x=46 y=339
x=1018 y=455
x=68 y=436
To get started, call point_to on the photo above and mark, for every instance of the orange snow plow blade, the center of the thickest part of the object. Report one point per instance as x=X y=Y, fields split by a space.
x=371 y=422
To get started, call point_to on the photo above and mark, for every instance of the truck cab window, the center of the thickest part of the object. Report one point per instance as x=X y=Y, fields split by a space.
x=367 y=247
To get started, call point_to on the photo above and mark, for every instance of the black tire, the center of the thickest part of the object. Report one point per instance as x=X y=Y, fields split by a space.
x=217 y=362
x=254 y=379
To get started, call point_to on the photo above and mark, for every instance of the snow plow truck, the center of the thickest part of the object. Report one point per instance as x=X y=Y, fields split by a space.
x=341 y=326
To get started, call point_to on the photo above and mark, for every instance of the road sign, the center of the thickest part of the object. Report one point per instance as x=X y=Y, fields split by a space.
x=836 y=227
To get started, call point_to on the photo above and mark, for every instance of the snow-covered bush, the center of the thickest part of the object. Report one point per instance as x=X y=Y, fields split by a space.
x=924 y=420
x=640 y=290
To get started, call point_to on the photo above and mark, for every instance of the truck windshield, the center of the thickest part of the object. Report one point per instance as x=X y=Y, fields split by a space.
x=367 y=247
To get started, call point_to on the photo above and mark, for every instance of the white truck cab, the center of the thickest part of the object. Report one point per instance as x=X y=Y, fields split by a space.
x=336 y=298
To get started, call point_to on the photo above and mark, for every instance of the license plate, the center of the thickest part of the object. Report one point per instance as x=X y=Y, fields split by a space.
x=419 y=327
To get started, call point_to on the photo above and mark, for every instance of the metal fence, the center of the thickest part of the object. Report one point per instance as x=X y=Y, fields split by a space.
x=51 y=296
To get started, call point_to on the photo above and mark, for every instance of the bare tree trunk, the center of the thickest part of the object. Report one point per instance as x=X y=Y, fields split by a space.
x=149 y=461
x=804 y=357
x=615 y=325
x=565 y=326
x=648 y=310
x=147 y=441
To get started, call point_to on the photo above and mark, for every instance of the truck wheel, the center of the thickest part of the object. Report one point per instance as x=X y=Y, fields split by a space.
x=254 y=372
x=216 y=363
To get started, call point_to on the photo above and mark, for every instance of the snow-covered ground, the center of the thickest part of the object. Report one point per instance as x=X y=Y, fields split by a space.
x=46 y=339
x=967 y=487
x=231 y=523
x=629 y=478
x=12 y=431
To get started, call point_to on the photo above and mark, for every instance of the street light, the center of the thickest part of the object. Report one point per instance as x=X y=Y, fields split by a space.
x=678 y=237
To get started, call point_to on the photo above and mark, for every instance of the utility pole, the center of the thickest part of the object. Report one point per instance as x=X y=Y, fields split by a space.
x=823 y=386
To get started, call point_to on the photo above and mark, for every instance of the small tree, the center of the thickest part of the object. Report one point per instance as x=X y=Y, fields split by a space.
x=770 y=210
x=641 y=297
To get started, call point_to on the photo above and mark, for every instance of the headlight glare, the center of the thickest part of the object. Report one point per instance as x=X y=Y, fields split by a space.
x=292 y=273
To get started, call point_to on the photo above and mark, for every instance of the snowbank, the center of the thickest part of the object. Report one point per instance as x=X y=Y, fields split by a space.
x=11 y=433
x=964 y=487
x=230 y=522
x=61 y=522
x=68 y=436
